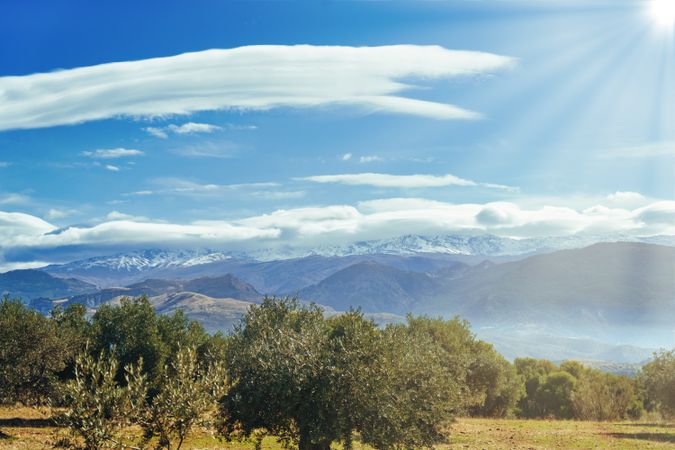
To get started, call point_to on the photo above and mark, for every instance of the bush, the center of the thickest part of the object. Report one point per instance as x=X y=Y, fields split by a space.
x=602 y=396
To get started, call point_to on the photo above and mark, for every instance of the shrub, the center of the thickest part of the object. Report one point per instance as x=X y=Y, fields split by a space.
x=97 y=408
x=187 y=397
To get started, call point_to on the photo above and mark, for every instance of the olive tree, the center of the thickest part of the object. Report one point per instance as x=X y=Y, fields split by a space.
x=187 y=397
x=658 y=379
x=312 y=381
x=97 y=409
x=31 y=354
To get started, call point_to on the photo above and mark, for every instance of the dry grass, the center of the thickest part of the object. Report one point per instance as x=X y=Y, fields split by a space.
x=31 y=429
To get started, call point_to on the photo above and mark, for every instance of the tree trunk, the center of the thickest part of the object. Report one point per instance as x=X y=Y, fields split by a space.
x=306 y=444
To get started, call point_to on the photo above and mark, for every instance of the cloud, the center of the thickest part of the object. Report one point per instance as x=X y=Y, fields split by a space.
x=627 y=199
x=116 y=216
x=112 y=153
x=251 y=77
x=13 y=199
x=370 y=158
x=4 y=164
x=192 y=128
x=9 y=266
x=60 y=213
x=112 y=168
x=209 y=149
x=346 y=156
x=15 y=226
x=186 y=128
x=333 y=224
x=139 y=193
x=383 y=180
x=277 y=195
x=157 y=132
x=188 y=188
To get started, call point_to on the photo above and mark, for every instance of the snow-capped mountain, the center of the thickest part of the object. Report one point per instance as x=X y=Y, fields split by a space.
x=408 y=245
x=143 y=260
x=483 y=245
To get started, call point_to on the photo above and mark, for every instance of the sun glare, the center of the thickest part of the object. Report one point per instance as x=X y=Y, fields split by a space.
x=662 y=12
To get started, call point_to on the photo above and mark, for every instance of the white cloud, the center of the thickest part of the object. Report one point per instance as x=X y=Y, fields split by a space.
x=188 y=188
x=157 y=132
x=627 y=199
x=383 y=180
x=370 y=158
x=9 y=266
x=192 y=128
x=209 y=149
x=13 y=199
x=4 y=164
x=116 y=215
x=252 y=77
x=277 y=195
x=113 y=153
x=339 y=223
x=16 y=226
x=112 y=168
x=346 y=156
x=186 y=128
x=60 y=213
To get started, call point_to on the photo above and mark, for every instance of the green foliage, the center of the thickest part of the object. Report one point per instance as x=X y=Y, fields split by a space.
x=187 y=398
x=499 y=381
x=602 y=396
x=554 y=395
x=312 y=381
x=575 y=391
x=135 y=331
x=486 y=383
x=32 y=353
x=97 y=408
x=533 y=372
x=413 y=395
x=131 y=331
x=73 y=330
x=658 y=379
x=280 y=379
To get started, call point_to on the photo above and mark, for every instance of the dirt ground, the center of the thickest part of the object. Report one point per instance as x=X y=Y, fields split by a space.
x=32 y=429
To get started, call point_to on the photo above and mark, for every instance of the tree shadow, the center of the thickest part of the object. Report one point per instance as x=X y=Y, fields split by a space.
x=654 y=437
x=26 y=423
x=650 y=425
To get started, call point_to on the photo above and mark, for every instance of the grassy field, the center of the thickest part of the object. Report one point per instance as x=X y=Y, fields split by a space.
x=31 y=429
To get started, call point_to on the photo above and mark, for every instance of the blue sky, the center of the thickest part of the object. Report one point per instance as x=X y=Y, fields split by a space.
x=517 y=118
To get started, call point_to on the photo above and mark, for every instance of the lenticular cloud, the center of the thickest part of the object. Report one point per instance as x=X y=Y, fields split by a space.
x=251 y=77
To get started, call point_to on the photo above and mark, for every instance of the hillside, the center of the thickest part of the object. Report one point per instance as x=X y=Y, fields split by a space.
x=225 y=286
x=215 y=314
x=31 y=284
x=605 y=290
x=373 y=287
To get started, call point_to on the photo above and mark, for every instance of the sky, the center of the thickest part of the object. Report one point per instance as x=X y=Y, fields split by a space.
x=259 y=124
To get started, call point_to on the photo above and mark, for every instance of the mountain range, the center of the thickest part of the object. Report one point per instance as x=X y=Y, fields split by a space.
x=608 y=300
